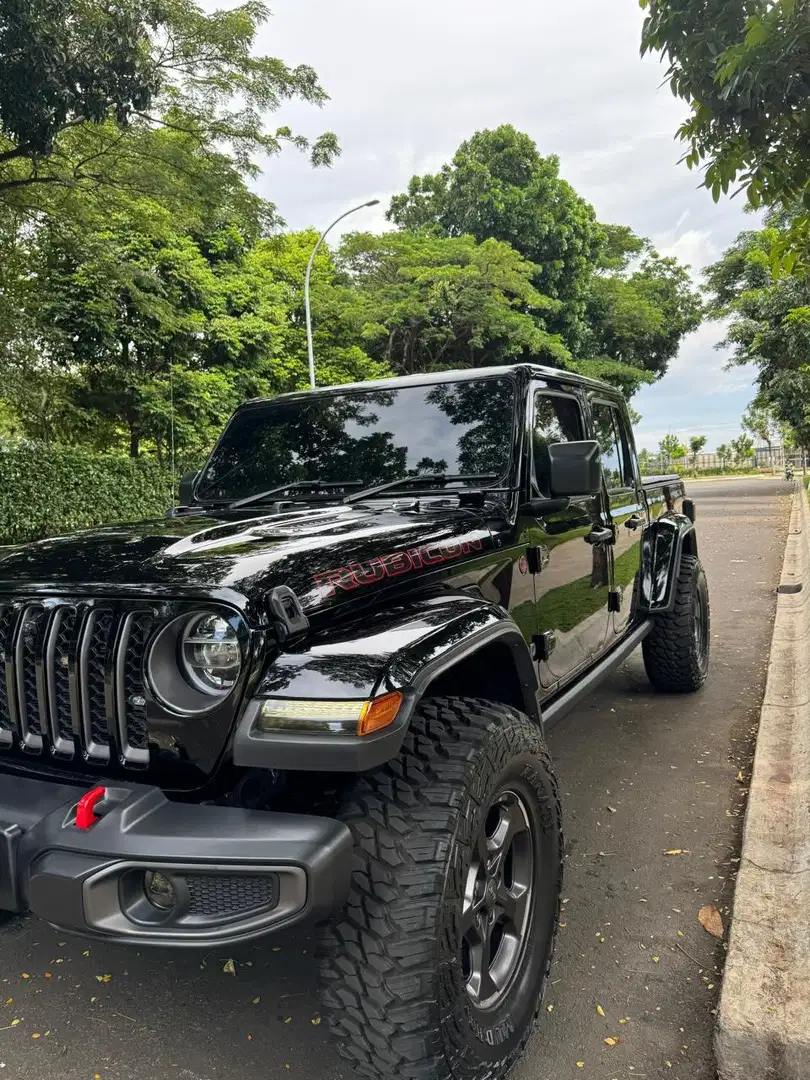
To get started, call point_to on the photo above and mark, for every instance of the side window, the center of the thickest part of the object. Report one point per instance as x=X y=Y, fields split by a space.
x=615 y=458
x=557 y=418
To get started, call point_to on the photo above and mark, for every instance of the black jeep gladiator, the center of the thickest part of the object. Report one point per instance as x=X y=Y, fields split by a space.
x=318 y=690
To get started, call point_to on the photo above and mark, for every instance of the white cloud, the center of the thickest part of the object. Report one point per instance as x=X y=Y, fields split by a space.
x=694 y=247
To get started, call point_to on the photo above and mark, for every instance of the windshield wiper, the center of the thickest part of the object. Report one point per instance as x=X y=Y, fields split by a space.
x=430 y=478
x=300 y=485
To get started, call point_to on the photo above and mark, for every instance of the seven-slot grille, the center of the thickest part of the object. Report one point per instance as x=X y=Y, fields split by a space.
x=72 y=679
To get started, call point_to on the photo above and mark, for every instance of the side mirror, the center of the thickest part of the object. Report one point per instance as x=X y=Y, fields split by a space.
x=575 y=468
x=187 y=482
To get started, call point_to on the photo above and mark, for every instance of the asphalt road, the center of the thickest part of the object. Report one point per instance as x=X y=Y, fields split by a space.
x=641 y=774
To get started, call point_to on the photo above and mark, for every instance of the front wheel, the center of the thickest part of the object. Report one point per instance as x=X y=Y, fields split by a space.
x=436 y=969
x=676 y=652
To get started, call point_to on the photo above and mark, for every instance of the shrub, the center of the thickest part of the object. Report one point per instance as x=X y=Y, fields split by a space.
x=49 y=490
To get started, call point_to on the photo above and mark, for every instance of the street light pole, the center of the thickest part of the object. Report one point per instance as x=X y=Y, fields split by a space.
x=321 y=238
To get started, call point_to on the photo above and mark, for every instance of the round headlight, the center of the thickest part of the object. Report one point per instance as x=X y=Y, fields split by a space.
x=210 y=657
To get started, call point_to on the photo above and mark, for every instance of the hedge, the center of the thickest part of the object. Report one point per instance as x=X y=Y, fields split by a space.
x=51 y=490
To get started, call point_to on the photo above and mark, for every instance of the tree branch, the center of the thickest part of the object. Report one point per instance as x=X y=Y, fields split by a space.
x=7 y=185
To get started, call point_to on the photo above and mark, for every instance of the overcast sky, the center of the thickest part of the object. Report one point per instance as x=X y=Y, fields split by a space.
x=409 y=81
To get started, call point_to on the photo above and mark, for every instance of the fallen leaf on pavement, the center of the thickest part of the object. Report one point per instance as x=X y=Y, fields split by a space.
x=229 y=968
x=711 y=920
x=612 y=1040
x=600 y=1010
x=678 y=851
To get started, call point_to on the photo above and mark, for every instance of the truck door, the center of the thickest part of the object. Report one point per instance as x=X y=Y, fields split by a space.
x=571 y=572
x=628 y=510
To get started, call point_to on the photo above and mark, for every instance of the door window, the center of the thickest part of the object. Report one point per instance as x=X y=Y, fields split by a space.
x=615 y=457
x=557 y=418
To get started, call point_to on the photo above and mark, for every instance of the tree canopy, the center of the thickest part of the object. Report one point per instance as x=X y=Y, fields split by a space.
x=499 y=186
x=744 y=68
x=768 y=315
x=619 y=309
x=83 y=83
x=429 y=303
x=146 y=289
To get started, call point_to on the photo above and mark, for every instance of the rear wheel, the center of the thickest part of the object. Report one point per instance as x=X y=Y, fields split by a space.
x=676 y=652
x=436 y=969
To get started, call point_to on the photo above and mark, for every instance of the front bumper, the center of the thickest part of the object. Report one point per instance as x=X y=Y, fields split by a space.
x=235 y=874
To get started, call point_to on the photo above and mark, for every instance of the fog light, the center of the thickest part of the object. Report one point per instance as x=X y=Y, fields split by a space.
x=159 y=890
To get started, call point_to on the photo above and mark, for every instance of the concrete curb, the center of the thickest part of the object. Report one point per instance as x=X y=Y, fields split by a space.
x=763 y=1026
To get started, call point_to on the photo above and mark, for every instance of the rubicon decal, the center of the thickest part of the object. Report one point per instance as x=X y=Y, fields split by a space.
x=357 y=575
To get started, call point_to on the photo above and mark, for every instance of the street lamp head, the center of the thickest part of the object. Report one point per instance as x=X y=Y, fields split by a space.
x=373 y=202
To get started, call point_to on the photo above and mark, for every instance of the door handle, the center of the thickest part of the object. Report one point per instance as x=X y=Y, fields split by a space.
x=600 y=536
x=635 y=521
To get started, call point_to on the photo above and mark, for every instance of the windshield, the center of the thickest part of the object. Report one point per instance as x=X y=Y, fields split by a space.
x=368 y=437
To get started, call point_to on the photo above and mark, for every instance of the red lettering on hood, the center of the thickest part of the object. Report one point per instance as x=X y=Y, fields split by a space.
x=348 y=578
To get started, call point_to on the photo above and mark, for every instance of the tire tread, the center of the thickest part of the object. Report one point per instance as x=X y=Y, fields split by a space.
x=670 y=657
x=379 y=957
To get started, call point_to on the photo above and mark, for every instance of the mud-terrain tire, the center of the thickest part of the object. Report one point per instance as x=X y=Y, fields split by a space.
x=676 y=652
x=447 y=837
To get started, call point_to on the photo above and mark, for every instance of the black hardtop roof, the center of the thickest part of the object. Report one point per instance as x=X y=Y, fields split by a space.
x=463 y=375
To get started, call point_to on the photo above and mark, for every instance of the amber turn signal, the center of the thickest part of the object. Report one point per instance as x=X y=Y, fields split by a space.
x=379 y=713
x=328 y=717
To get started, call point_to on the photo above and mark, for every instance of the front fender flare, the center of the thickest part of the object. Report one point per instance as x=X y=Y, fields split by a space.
x=402 y=649
x=664 y=544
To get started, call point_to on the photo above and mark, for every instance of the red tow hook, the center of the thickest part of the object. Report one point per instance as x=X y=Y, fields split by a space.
x=85 y=816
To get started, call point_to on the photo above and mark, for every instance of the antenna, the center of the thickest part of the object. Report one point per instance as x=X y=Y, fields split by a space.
x=171 y=413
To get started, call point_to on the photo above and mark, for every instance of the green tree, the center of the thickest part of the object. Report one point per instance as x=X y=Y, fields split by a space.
x=724 y=454
x=671 y=449
x=640 y=317
x=163 y=332
x=67 y=62
x=742 y=65
x=499 y=186
x=429 y=302
x=758 y=419
x=742 y=448
x=80 y=79
x=696 y=444
x=768 y=319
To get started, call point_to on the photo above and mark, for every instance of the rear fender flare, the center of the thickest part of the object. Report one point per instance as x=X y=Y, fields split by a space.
x=664 y=544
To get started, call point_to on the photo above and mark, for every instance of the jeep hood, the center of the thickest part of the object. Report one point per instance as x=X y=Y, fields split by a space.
x=324 y=554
